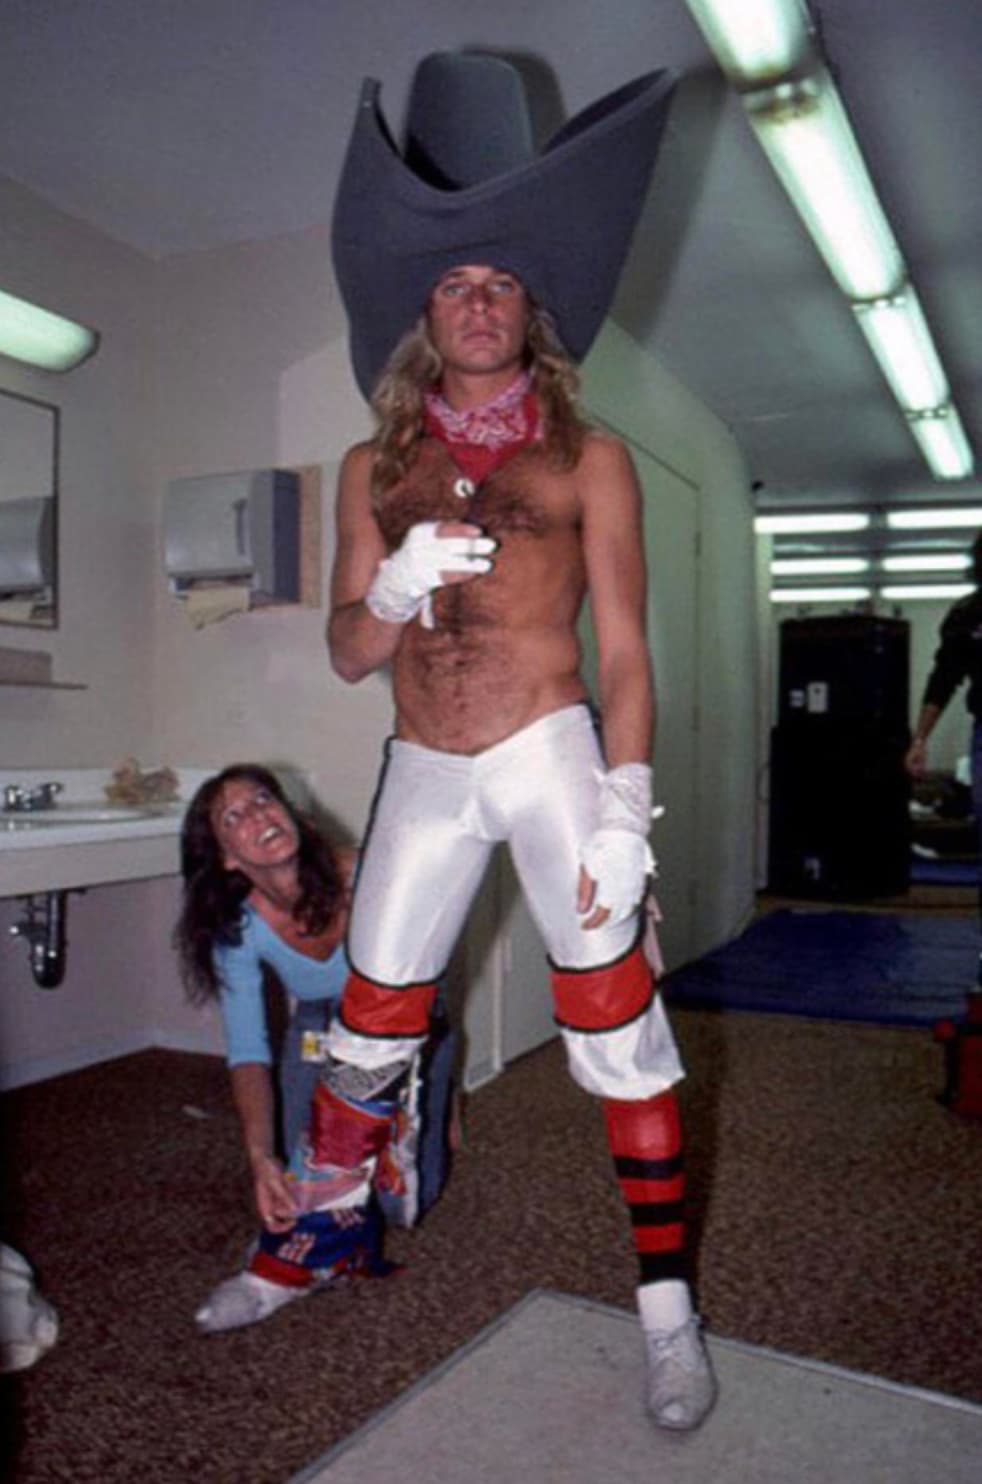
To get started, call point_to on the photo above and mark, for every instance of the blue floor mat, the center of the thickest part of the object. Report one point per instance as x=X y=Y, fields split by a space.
x=944 y=872
x=890 y=968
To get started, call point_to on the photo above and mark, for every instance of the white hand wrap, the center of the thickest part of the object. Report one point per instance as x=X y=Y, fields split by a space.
x=405 y=580
x=617 y=856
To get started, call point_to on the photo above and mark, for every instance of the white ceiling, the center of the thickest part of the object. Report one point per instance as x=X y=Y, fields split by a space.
x=179 y=125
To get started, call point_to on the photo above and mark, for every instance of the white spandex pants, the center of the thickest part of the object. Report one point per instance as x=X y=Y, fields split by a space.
x=437 y=818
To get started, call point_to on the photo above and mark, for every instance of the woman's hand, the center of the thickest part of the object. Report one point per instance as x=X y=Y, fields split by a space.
x=274 y=1198
x=252 y=1091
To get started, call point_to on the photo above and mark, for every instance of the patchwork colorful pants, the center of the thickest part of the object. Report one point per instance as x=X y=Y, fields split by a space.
x=356 y=1166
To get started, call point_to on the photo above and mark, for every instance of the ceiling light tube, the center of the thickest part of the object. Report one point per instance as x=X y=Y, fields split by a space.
x=818 y=566
x=899 y=338
x=39 y=338
x=948 y=590
x=942 y=442
x=789 y=525
x=819 y=594
x=755 y=41
x=807 y=136
x=955 y=517
x=937 y=562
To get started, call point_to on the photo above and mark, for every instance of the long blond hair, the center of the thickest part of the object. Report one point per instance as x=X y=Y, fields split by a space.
x=415 y=366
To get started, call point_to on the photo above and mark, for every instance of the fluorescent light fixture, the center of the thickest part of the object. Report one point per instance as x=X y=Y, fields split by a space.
x=818 y=566
x=789 y=525
x=900 y=340
x=942 y=442
x=807 y=136
x=927 y=590
x=768 y=50
x=930 y=562
x=957 y=517
x=819 y=594
x=754 y=41
x=36 y=336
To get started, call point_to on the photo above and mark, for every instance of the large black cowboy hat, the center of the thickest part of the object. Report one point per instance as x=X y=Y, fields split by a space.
x=471 y=189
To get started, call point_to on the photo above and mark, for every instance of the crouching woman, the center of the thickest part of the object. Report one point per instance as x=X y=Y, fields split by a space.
x=265 y=892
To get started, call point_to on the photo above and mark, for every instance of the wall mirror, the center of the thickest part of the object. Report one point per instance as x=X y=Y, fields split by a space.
x=28 y=512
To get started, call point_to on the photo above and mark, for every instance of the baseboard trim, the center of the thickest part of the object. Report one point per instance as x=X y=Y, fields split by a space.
x=42 y=1068
x=73 y=1059
x=206 y=1042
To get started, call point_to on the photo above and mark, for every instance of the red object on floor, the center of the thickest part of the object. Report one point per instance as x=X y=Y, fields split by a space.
x=963 y=1055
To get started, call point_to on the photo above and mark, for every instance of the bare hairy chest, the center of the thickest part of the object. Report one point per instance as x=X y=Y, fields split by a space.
x=524 y=498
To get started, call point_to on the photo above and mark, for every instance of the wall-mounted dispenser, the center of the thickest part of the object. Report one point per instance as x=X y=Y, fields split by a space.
x=237 y=529
x=27 y=549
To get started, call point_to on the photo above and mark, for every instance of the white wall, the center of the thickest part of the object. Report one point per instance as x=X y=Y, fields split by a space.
x=102 y=1009
x=253 y=372
x=105 y=633
x=106 y=516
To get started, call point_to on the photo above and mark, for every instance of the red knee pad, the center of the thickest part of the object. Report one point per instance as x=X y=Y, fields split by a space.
x=372 y=1009
x=603 y=999
x=343 y=1135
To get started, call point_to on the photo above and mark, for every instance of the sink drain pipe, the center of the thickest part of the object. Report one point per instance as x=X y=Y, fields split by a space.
x=42 y=926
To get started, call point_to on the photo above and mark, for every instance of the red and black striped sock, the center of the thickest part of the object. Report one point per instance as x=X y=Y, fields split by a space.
x=646 y=1142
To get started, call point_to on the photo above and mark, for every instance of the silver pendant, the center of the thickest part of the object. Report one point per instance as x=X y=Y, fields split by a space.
x=464 y=488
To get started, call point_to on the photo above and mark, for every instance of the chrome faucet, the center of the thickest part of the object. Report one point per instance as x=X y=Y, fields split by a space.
x=20 y=800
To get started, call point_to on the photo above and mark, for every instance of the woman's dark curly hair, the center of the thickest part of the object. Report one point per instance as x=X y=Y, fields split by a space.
x=211 y=913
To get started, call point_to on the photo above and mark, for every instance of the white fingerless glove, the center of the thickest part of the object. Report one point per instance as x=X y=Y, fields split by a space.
x=405 y=580
x=617 y=856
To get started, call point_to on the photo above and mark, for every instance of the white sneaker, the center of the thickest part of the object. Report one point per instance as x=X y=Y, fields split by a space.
x=28 y=1323
x=681 y=1388
x=245 y=1299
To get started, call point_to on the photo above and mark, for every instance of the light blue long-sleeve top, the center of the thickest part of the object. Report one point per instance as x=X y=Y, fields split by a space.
x=240 y=973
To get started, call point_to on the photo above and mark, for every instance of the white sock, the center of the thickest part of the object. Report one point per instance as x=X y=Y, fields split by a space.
x=244 y=1299
x=664 y=1306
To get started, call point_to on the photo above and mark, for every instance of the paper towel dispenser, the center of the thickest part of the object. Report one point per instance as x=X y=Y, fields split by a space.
x=27 y=548
x=235 y=528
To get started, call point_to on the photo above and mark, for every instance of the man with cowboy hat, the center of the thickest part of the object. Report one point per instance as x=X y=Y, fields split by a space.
x=470 y=530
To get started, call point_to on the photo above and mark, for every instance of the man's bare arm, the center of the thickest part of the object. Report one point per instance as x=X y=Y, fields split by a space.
x=613 y=548
x=359 y=643
x=617 y=858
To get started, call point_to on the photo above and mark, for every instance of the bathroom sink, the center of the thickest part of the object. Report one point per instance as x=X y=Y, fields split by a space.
x=75 y=814
x=85 y=840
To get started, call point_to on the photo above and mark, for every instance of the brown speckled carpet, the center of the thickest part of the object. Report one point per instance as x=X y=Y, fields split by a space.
x=837 y=1206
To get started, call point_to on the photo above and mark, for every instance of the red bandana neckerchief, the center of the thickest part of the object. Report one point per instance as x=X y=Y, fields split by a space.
x=481 y=439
